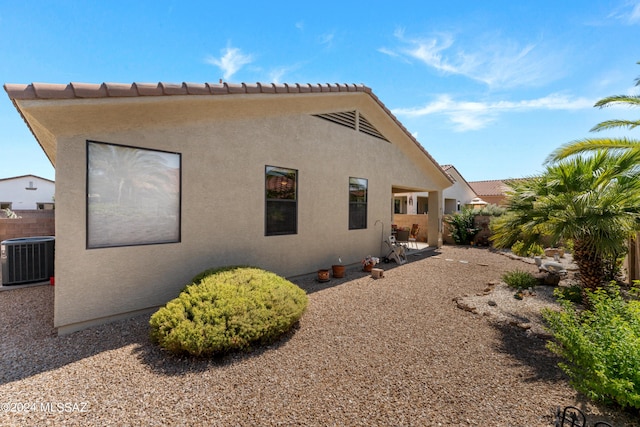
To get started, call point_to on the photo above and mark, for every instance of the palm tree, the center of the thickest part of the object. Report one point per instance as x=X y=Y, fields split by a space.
x=613 y=144
x=593 y=201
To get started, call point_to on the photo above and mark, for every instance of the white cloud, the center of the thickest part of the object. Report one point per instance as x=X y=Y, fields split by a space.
x=634 y=16
x=474 y=115
x=494 y=62
x=326 y=39
x=230 y=62
x=628 y=13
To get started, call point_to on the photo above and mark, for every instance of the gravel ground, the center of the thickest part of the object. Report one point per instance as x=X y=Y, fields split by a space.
x=392 y=351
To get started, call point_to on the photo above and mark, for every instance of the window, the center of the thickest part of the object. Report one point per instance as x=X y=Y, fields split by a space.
x=357 y=203
x=5 y=205
x=133 y=196
x=281 y=196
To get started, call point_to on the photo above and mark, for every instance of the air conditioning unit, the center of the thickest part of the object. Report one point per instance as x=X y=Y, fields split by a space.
x=27 y=259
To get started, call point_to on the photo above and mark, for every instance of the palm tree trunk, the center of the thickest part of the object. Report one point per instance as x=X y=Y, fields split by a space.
x=590 y=265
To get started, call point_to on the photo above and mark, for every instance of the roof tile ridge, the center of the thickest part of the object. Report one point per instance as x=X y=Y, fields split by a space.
x=280 y=88
x=148 y=89
x=266 y=87
x=120 y=89
x=197 y=88
x=53 y=90
x=173 y=88
x=218 y=89
x=19 y=91
x=234 y=88
x=88 y=90
x=304 y=87
x=489 y=180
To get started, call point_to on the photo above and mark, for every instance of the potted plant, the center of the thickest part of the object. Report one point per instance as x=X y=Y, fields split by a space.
x=338 y=269
x=368 y=262
x=323 y=275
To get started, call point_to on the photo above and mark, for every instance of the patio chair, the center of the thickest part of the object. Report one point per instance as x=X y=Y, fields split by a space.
x=396 y=251
x=413 y=236
x=402 y=237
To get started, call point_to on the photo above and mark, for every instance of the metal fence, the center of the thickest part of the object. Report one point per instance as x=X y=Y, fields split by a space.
x=574 y=417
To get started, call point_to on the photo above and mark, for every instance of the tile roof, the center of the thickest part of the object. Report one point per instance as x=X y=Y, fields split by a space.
x=104 y=90
x=494 y=187
x=52 y=91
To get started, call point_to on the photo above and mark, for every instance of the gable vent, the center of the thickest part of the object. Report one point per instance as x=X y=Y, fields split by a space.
x=368 y=128
x=353 y=120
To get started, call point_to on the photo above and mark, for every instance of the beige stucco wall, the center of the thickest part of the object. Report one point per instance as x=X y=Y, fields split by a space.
x=225 y=144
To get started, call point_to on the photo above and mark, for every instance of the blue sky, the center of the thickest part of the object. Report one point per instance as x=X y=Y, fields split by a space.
x=491 y=87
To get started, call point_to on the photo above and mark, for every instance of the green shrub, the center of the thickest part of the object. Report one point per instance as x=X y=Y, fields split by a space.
x=600 y=346
x=211 y=271
x=519 y=279
x=230 y=309
x=572 y=293
x=568 y=246
x=462 y=227
x=520 y=249
x=491 y=210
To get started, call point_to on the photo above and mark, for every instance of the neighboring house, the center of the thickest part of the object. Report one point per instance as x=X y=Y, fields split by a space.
x=492 y=191
x=460 y=194
x=157 y=182
x=26 y=192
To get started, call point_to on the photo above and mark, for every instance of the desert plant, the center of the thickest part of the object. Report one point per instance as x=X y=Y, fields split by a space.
x=211 y=271
x=462 y=226
x=229 y=309
x=491 y=210
x=519 y=279
x=591 y=200
x=532 y=249
x=572 y=293
x=600 y=346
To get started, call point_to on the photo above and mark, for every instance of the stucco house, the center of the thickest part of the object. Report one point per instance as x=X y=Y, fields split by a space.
x=26 y=192
x=491 y=191
x=454 y=198
x=156 y=182
x=413 y=208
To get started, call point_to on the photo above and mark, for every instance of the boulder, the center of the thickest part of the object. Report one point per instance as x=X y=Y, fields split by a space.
x=551 y=252
x=547 y=278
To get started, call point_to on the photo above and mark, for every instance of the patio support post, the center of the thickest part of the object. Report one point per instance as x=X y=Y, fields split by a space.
x=434 y=236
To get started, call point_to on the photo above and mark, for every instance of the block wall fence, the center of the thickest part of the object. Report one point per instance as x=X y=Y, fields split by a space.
x=32 y=223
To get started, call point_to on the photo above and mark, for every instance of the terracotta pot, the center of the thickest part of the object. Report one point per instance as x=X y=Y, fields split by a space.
x=367 y=268
x=338 y=270
x=323 y=275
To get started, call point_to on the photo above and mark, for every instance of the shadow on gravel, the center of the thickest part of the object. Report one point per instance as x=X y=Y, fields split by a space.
x=529 y=351
x=165 y=363
x=53 y=352
x=532 y=352
x=20 y=359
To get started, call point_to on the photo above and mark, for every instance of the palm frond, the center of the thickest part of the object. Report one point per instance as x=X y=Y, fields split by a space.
x=590 y=145
x=632 y=100
x=612 y=124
